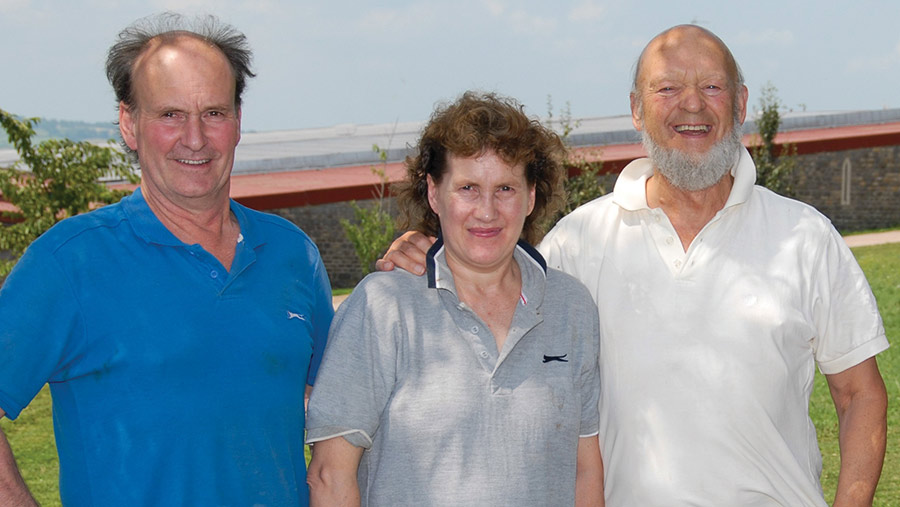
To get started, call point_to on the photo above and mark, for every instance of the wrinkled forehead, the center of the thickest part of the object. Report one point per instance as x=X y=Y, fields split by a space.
x=686 y=47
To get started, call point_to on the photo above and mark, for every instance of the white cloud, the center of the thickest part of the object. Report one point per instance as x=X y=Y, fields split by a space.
x=408 y=19
x=875 y=63
x=495 y=7
x=216 y=6
x=11 y=5
x=769 y=36
x=525 y=22
x=588 y=10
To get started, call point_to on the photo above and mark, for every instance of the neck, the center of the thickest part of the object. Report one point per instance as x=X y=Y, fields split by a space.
x=688 y=210
x=492 y=295
x=213 y=226
x=468 y=278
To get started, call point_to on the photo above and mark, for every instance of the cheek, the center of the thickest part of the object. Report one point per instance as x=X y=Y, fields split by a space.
x=516 y=210
x=161 y=137
x=226 y=135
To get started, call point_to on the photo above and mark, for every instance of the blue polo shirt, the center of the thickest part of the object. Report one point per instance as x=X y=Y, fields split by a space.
x=174 y=381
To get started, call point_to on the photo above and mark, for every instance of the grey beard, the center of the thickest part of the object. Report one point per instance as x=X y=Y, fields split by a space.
x=695 y=172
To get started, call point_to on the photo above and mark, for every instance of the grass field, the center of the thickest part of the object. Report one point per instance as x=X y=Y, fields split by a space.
x=31 y=436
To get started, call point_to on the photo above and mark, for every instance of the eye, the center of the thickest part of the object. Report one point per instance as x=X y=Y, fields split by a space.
x=216 y=115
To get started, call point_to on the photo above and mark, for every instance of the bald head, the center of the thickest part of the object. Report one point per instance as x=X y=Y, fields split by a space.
x=152 y=31
x=689 y=102
x=674 y=38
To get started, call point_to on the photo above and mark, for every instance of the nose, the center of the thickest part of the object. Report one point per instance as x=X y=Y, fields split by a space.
x=692 y=99
x=487 y=207
x=193 y=135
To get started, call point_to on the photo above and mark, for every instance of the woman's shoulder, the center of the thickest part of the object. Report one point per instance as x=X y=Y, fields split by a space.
x=397 y=287
x=561 y=282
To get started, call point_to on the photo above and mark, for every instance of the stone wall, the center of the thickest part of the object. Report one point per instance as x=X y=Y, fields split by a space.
x=857 y=189
x=323 y=224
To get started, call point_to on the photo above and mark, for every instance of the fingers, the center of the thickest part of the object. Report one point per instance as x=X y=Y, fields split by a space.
x=406 y=252
x=421 y=241
x=384 y=265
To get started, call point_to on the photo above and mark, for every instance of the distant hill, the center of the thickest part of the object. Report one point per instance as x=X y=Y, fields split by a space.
x=74 y=130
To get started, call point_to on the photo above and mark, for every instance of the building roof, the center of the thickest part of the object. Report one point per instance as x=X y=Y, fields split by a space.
x=315 y=166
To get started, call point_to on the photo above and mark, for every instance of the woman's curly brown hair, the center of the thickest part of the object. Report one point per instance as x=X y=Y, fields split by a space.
x=474 y=123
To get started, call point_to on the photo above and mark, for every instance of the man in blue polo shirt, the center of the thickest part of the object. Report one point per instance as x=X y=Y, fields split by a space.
x=178 y=329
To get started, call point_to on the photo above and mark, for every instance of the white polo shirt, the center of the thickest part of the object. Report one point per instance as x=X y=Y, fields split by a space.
x=707 y=356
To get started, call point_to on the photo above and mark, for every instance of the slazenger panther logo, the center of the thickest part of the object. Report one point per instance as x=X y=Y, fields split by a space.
x=292 y=315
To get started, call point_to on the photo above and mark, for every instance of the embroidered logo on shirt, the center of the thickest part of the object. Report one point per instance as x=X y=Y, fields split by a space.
x=561 y=359
x=292 y=315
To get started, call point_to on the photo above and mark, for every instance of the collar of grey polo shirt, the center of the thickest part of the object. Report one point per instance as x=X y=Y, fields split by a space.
x=533 y=270
x=531 y=263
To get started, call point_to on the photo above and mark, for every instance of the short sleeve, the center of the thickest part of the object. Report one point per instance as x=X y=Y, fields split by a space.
x=590 y=376
x=39 y=322
x=324 y=312
x=358 y=371
x=844 y=311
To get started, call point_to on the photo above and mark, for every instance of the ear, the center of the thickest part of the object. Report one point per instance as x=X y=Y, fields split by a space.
x=531 y=194
x=742 y=97
x=126 y=126
x=636 y=119
x=432 y=191
x=238 y=140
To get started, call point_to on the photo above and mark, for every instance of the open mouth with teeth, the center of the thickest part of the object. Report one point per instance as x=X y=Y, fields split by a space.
x=689 y=129
x=193 y=162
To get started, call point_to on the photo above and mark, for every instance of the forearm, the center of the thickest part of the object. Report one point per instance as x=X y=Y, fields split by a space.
x=861 y=403
x=332 y=494
x=589 y=474
x=13 y=491
x=332 y=474
x=863 y=436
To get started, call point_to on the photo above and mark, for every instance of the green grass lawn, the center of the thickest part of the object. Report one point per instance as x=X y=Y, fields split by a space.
x=31 y=436
x=882 y=266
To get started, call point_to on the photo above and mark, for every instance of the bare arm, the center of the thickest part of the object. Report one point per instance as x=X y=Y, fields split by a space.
x=589 y=474
x=332 y=474
x=306 y=394
x=861 y=402
x=13 y=491
x=406 y=252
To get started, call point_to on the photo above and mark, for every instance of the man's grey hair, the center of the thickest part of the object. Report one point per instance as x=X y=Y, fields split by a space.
x=133 y=40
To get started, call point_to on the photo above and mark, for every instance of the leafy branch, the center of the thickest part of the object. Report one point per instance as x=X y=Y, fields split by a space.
x=52 y=180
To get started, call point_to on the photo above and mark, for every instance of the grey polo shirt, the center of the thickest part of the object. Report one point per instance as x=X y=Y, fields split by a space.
x=412 y=375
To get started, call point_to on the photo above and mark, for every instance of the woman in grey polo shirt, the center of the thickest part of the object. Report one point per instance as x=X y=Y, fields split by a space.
x=476 y=384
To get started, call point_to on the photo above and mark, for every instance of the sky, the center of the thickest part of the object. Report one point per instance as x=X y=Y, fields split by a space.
x=332 y=62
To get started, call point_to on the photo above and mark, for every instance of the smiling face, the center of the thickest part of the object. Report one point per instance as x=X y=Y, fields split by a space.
x=184 y=125
x=687 y=97
x=482 y=203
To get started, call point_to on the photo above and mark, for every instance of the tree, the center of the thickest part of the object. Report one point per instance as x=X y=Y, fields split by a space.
x=775 y=172
x=584 y=185
x=373 y=230
x=61 y=180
